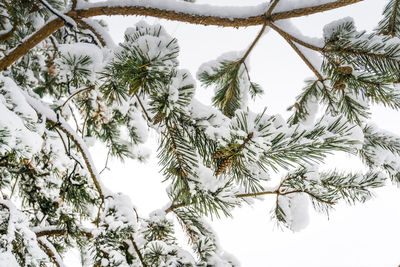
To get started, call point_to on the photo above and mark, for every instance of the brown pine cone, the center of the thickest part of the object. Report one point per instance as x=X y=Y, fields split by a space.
x=345 y=69
x=339 y=85
x=158 y=118
x=220 y=154
x=223 y=165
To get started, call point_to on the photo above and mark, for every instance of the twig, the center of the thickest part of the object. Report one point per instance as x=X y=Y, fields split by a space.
x=242 y=60
x=9 y=34
x=93 y=30
x=51 y=9
x=52 y=232
x=180 y=205
x=143 y=108
x=85 y=157
x=256 y=194
x=289 y=39
x=138 y=252
x=294 y=39
x=50 y=252
x=106 y=164
x=75 y=93
x=74 y=3
x=271 y=8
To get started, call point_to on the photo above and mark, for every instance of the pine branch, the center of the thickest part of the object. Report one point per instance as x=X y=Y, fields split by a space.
x=389 y=24
x=393 y=19
x=53 y=119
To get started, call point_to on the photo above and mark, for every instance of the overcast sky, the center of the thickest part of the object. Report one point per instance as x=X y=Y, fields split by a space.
x=365 y=235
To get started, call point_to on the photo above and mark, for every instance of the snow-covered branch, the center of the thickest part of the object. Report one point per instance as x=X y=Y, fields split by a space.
x=180 y=11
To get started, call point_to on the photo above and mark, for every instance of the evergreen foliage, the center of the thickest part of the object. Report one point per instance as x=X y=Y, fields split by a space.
x=75 y=87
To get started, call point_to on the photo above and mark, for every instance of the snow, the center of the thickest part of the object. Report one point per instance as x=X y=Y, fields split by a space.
x=8 y=260
x=17 y=119
x=331 y=28
x=101 y=31
x=66 y=18
x=45 y=111
x=287 y=5
x=77 y=51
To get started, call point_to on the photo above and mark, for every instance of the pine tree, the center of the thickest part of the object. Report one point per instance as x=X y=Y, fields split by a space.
x=64 y=83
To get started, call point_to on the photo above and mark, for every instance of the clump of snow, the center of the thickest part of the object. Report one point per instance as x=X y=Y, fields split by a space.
x=19 y=120
x=331 y=28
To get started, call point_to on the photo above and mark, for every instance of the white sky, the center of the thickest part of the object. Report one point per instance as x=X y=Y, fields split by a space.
x=365 y=235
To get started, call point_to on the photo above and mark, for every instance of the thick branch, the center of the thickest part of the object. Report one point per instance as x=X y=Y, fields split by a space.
x=194 y=18
x=30 y=43
x=51 y=232
x=108 y=10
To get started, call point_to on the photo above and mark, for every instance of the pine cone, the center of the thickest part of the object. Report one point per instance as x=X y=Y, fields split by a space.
x=345 y=69
x=51 y=69
x=223 y=165
x=220 y=154
x=158 y=118
x=339 y=85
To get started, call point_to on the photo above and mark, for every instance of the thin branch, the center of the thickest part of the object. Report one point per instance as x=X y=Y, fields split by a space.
x=310 y=194
x=289 y=39
x=57 y=23
x=271 y=8
x=74 y=3
x=173 y=206
x=85 y=157
x=256 y=194
x=93 y=30
x=75 y=93
x=50 y=251
x=52 y=232
x=54 y=12
x=106 y=164
x=143 y=108
x=67 y=149
x=294 y=39
x=254 y=43
x=9 y=34
x=138 y=252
